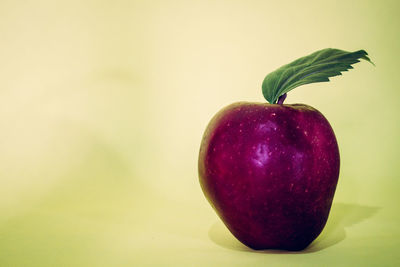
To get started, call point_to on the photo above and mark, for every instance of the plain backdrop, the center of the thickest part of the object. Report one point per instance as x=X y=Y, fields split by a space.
x=103 y=105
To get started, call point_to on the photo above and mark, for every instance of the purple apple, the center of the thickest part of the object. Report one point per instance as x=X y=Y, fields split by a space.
x=270 y=170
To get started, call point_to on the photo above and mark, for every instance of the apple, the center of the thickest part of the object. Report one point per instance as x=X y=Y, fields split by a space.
x=270 y=170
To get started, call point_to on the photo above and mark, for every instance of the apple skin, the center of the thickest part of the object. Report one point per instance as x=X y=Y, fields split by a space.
x=270 y=172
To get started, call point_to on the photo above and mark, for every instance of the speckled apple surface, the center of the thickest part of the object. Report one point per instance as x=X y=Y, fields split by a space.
x=270 y=172
x=103 y=105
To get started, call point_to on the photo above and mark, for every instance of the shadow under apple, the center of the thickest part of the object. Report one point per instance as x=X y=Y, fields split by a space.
x=342 y=215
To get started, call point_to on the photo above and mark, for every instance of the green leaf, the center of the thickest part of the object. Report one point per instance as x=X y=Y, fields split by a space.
x=317 y=67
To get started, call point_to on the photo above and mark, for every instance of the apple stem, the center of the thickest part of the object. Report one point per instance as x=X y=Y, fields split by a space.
x=282 y=98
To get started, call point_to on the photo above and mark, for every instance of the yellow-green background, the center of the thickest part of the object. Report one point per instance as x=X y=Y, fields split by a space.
x=102 y=109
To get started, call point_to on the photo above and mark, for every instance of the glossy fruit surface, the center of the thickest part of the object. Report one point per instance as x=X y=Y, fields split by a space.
x=270 y=172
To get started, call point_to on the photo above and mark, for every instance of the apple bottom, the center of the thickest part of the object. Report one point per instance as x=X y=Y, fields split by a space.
x=281 y=229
